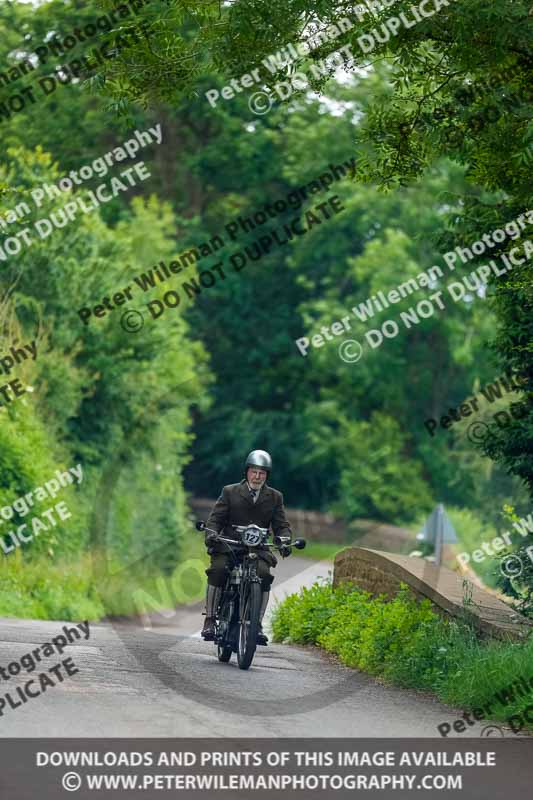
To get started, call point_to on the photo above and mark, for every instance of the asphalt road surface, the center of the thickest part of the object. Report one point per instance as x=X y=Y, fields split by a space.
x=166 y=681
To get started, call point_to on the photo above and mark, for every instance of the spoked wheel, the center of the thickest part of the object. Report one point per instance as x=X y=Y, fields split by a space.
x=224 y=653
x=251 y=606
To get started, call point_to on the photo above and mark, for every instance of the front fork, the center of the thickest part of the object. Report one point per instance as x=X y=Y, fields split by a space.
x=228 y=604
x=236 y=587
x=249 y=576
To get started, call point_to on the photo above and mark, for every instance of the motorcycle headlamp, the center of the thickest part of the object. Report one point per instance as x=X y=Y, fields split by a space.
x=252 y=536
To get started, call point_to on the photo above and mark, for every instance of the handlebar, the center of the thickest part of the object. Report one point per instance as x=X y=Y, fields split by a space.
x=278 y=541
x=218 y=538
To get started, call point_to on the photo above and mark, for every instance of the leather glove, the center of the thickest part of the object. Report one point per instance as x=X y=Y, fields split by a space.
x=285 y=551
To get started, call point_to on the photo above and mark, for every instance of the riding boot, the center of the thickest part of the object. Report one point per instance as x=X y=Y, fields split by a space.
x=261 y=637
x=211 y=605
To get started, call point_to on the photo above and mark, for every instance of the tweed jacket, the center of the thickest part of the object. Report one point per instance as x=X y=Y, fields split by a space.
x=236 y=507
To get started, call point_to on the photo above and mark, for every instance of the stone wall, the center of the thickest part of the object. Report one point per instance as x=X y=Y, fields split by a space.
x=382 y=573
x=321 y=527
x=353 y=564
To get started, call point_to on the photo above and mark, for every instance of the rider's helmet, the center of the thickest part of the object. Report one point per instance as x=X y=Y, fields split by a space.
x=259 y=458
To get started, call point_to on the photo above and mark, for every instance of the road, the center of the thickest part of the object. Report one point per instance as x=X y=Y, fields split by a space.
x=167 y=682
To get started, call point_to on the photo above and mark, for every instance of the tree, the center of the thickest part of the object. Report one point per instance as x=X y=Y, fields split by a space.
x=458 y=86
x=92 y=382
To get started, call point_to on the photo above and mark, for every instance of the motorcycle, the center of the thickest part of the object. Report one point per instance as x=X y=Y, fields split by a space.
x=237 y=615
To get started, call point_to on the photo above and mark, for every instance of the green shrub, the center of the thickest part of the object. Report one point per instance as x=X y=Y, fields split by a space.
x=28 y=459
x=44 y=589
x=406 y=642
x=301 y=617
x=90 y=586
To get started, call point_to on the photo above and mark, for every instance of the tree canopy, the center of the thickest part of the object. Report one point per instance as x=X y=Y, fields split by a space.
x=437 y=118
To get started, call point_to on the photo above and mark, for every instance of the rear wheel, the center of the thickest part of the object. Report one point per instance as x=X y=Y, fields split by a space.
x=249 y=625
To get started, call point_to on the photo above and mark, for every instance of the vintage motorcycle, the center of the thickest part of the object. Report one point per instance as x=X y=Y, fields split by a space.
x=237 y=616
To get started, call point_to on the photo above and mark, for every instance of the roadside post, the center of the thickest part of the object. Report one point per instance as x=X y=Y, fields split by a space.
x=437 y=530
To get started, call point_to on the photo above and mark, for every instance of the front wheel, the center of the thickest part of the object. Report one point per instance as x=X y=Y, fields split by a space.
x=224 y=653
x=224 y=649
x=249 y=624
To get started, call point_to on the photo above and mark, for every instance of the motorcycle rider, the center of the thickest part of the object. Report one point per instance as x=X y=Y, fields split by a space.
x=250 y=501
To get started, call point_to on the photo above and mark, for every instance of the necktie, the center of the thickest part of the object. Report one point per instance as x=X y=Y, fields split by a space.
x=253 y=492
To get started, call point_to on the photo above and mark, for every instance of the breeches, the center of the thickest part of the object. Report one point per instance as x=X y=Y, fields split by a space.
x=216 y=572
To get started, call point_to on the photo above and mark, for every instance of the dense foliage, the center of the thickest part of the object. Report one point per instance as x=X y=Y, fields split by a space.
x=179 y=404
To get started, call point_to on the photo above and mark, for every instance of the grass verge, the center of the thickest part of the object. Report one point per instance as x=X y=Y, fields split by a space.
x=89 y=587
x=320 y=551
x=407 y=643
